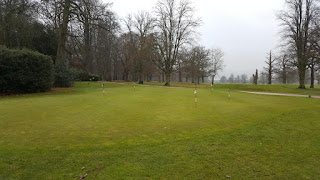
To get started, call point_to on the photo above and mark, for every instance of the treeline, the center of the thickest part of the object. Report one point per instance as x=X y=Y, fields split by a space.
x=300 y=45
x=88 y=36
x=278 y=77
x=298 y=57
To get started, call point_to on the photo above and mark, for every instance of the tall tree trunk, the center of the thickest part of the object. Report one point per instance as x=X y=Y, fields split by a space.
x=180 y=72
x=87 y=46
x=61 y=52
x=312 y=76
x=163 y=78
x=212 y=82
x=115 y=75
x=140 y=78
x=302 y=76
x=270 y=76
x=140 y=73
x=253 y=79
x=284 y=75
x=168 y=74
x=125 y=75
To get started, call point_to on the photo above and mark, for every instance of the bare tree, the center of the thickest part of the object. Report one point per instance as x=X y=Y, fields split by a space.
x=263 y=77
x=255 y=77
x=217 y=62
x=244 y=78
x=128 y=44
x=50 y=12
x=182 y=64
x=223 y=79
x=61 y=52
x=143 y=23
x=270 y=66
x=231 y=79
x=282 y=66
x=106 y=47
x=197 y=63
x=297 y=27
x=314 y=59
x=175 y=23
x=237 y=80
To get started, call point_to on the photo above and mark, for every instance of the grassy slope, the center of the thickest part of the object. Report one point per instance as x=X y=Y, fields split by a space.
x=157 y=133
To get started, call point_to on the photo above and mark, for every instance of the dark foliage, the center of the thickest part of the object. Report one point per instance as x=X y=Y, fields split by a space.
x=93 y=77
x=79 y=75
x=63 y=74
x=25 y=71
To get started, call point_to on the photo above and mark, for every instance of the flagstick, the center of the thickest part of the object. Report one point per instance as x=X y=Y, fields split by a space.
x=195 y=98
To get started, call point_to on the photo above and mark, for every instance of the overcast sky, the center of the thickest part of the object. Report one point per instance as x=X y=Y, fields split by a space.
x=245 y=30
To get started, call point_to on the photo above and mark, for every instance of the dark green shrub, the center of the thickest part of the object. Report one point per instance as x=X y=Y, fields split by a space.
x=79 y=75
x=93 y=77
x=25 y=71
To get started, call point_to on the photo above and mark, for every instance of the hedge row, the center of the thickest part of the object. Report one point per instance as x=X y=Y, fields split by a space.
x=81 y=75
x=25 y=71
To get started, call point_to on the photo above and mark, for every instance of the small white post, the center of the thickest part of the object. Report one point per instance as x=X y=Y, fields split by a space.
x=102 y=88
x=229 y=94
x=211 y=88
x=195 y=98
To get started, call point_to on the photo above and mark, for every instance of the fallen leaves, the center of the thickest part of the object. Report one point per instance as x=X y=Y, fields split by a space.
x=97 y=167
x=83 y=176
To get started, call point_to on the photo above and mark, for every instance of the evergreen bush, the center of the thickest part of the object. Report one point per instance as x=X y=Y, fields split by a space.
x=25 y=71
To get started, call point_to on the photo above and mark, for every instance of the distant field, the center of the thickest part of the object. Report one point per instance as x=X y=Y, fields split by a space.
x=157 y=133
x=274 y=88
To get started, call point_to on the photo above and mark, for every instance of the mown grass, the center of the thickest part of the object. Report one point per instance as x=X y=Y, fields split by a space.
x=274 y=88
x=157 y=133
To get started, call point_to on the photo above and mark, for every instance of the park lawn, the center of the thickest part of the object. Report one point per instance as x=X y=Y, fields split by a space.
x=274 y=88
x=157 y=133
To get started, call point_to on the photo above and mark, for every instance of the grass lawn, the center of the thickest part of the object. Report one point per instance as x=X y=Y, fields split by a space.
x=274 y=88
x=157 y=133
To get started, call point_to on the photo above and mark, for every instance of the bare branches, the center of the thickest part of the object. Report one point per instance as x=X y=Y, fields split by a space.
x=298 y=26
x=270 y=66
x=216 y=62
x=175 y=24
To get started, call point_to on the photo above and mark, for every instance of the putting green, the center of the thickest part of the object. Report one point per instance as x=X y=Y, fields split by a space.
x=157 y=133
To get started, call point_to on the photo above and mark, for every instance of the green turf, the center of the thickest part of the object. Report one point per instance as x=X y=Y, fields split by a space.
x=274 y=88
x=157 y=133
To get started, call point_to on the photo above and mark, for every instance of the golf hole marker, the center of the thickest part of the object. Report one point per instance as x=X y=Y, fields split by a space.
x=195 y=98
x=102 y=88
x=229 y=94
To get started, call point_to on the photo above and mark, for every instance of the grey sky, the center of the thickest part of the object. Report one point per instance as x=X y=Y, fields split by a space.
x=245 y=30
